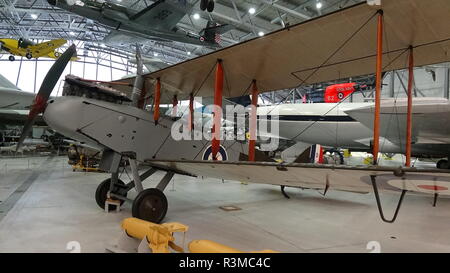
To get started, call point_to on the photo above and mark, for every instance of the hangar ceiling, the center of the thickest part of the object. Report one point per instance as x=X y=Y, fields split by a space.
x=36 y=19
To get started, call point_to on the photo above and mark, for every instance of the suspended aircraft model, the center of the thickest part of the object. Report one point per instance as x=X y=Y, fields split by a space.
x=127 y=132
x=157 y=22
x=29 y=49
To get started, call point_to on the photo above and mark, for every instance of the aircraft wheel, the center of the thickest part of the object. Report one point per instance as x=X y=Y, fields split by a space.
x=203 y=4
x=102 y=191
x=210 y=7
x=442 y=164
x=28 y=56
x=150 y=205
x=11 y=58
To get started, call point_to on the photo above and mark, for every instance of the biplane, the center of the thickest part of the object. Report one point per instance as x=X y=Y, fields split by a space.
x=358 y=40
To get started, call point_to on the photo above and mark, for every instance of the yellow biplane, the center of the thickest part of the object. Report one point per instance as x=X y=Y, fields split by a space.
x=29 y=49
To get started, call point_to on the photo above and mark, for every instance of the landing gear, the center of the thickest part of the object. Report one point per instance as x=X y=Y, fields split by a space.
x=204 y=4
x=210 y=7
x=442 y=164
x=207 y=5
x=150 y=205
x=11 y=58
x=101 y=194
x=28 y=55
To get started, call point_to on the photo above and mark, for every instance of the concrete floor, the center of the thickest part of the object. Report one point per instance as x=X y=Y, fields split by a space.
x=44 y=205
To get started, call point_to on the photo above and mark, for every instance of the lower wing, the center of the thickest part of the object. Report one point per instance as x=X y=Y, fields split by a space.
x=320 y=177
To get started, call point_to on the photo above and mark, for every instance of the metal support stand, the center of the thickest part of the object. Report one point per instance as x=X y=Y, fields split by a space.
x=377 y=197
x=284 y=193
x=327 y=186
x=436 y=195
x=115 y=203
x=165 y=181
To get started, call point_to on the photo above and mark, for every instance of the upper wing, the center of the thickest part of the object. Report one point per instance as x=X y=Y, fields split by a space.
x=162 y=15
x=44 y=48
x=299 y=54
x=343 y=178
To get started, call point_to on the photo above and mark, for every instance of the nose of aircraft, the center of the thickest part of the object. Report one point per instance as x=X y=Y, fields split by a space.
x=65 y=115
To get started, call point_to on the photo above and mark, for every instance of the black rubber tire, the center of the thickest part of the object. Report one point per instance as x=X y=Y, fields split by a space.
x=11 y=58
x=203 y=4
x=210 y=7
x=102 y=190
x=442 y=164
x=28 y=56
x=150 y=205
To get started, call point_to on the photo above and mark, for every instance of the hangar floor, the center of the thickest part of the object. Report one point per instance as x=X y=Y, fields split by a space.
x=44 y=205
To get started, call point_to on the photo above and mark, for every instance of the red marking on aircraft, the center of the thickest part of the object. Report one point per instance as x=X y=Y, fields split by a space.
x=337 y=92
x=433 y=187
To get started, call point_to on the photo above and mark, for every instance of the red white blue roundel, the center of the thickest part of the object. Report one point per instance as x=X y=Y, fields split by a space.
x=421 y=183
x=221 y=155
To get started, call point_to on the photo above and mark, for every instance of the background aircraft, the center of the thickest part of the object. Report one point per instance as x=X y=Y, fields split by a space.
x=157 y=22
x=14 y=103
x=29 y=49
x=349 y=126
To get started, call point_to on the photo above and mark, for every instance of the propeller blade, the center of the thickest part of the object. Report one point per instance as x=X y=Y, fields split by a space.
x=40 y=101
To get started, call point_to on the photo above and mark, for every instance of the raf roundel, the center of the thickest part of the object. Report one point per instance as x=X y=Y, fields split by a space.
x=221 y=155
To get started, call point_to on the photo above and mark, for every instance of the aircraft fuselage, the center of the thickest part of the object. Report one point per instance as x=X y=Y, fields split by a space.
x=126 y=130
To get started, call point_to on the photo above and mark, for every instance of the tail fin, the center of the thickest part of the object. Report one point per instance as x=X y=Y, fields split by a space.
x=6 y=84
x=314 y=154
x=211 y=33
